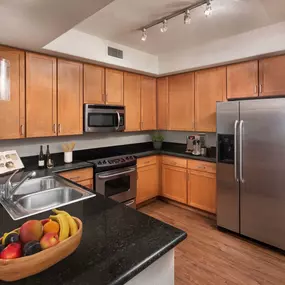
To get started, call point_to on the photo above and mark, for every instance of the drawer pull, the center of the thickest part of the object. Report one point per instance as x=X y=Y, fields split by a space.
x=201 y=167
x=74 y=178
x=146 y=162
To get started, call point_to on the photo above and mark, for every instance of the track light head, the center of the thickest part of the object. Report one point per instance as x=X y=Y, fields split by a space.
x=144 y=35
x=164 y=27
x=187 y=17
x=208 y=11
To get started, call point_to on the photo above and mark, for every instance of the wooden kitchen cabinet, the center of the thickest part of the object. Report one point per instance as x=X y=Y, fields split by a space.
x=271 y=76
x=132 y=100
x=148 y=103
x=147 y=184
x=12 y=113
x=94 y=84
x=210 y=88
x=242 y=80
x=41 y=97
x=174 y=183
x=70 y=98
x=202 y=190
x=181 y=102
x=162 y=103
x=114 y=87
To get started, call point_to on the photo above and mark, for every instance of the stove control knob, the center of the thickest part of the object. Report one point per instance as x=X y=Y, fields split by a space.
x=104 y=161
x=99 y=162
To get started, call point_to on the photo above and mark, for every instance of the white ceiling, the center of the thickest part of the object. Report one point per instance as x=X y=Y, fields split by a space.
x=119 y=22
x=31 y=24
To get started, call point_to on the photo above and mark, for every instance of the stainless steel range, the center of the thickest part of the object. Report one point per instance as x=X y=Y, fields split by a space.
x=116 y=178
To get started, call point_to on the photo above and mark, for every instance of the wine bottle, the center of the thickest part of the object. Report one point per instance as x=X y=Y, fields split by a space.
x=41 y=161
x=48 y=156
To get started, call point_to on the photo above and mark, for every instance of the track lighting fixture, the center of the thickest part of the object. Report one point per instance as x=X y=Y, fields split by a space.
x=164 y=27
x=144 y=34
x=208 y=10
x=187 y=17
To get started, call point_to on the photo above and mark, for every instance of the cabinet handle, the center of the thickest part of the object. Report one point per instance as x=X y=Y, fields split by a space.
x=260 y=88
x=255 y=89
x=22 y=131
x=54 y=128
x=141 y=125
x=106 y=97
x=74 y=178
x=59 y=128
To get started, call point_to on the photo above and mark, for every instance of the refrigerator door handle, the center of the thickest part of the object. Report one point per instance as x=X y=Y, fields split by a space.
x=235 y=150
x=241 y=151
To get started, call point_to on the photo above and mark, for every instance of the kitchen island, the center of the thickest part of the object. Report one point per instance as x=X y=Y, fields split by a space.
x=119 y=246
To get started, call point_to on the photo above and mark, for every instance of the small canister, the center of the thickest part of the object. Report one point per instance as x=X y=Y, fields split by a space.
x=203 y=151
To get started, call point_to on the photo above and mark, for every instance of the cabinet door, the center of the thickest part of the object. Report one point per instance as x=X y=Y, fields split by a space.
x=242 y=80
x=162 y=103
x=271 y=76
x=40 y=95
x=132 y=95
x=114 y=87
x=202 y=190
x=174 y=183
x=94 y=84
x=12 y=113
x=210 y=87
x=148 y=103
x=181 y=102
x=70 y=98
x=87 y=183
x=147 y=184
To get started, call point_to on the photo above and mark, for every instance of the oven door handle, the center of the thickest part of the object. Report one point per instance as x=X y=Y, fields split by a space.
x=116 y=174
x=119 y=120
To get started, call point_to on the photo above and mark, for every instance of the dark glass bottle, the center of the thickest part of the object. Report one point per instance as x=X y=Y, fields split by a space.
x=41 y=161
x=48 y=156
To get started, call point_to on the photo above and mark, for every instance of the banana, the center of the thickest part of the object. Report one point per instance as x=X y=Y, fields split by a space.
x=64 y=225
x=73 y=228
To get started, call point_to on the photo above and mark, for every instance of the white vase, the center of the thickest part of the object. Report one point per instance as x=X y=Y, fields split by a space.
x=68 y=157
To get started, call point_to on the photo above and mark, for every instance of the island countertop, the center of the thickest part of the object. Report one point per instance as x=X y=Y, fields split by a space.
x=117 y=244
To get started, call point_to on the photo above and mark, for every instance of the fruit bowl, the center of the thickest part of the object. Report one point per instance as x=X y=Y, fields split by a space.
x=19 y=268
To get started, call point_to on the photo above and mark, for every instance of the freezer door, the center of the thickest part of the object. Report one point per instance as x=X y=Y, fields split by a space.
x=227 y=166
x=262 y=186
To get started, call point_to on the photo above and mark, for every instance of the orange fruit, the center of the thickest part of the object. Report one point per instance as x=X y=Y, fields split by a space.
x=51 y=227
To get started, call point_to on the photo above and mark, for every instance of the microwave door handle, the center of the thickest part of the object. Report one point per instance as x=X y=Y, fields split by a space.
x=119 y=120
x=116 y=174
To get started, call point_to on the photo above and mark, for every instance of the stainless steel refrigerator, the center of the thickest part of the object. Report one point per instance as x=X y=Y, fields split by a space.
x=251 y=169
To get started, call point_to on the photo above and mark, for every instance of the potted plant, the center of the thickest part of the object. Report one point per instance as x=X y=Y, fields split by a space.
x=157 y=140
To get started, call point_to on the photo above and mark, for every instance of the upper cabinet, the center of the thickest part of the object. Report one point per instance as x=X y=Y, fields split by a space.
x=132 y=100
x=271 y=76
x=94 y=84
x=181 y=102
x=12 y=113
x=210 y=88
x=162 y=103
x=148 y=103
x=114 y=87
x=70 y=98
x=242 y=80
x=40 y=95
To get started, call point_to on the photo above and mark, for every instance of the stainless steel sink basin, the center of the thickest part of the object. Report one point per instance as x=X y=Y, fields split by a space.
x=42 y=194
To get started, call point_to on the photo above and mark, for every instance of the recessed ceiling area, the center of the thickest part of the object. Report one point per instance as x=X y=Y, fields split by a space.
x=31 y=24
x=119 y=22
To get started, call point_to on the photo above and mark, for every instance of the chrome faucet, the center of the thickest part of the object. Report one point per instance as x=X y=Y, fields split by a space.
x=9 y=190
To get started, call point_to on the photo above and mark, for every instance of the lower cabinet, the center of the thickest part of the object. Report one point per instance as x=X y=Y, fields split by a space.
x=174 y=183
x=148 y=183
x=202 y=190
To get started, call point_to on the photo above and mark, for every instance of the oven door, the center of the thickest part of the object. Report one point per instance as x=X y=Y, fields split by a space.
x=119 y=185
x=103 y=118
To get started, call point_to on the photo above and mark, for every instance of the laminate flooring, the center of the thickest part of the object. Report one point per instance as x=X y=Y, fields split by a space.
x=210 y=256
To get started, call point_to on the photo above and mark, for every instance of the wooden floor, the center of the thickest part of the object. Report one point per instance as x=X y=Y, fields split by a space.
x=209 y=256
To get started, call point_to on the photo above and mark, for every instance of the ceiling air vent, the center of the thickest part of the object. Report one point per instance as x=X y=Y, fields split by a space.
x=115 y=52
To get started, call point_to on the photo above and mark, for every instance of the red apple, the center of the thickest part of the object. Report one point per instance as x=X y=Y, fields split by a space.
x=31 y=230
x=49 y=240
x=13 y=250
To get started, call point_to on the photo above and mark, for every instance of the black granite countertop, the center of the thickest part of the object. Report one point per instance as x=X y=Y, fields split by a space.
x=117 y=243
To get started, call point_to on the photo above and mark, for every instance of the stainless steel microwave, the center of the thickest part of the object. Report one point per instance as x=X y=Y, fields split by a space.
x=104 y=118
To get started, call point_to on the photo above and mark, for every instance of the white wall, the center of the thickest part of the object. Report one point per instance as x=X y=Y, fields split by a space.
x=27 y=147
x=265 y=40
x=83 y=45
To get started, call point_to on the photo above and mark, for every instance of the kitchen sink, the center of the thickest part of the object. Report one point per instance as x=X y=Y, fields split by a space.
x=42 y=194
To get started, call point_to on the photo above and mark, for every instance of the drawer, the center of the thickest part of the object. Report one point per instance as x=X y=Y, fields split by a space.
x=78 y=175
x=202 y=166
x=145 y=161
x=87 y=183
x=174 y=161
